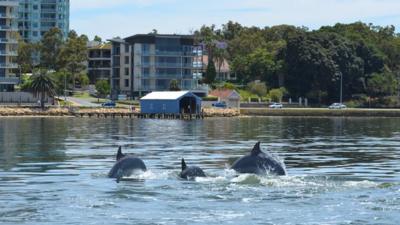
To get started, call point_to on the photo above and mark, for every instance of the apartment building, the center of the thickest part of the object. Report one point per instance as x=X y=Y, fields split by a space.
x=36 y=17
x=99 y=61
x=8 y=44
x=149 y=62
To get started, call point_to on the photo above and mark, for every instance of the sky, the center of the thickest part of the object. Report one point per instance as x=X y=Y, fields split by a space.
x=123 y=18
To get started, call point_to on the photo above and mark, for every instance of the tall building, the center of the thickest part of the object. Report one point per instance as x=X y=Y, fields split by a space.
x=99 y=61
x=36 y=17
x=149 y=62
x=8 y=44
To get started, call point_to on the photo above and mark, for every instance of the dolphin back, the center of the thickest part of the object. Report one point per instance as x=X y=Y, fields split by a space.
x=192 y=172
x=126 y=166
x=246 y=164
x=260 y=164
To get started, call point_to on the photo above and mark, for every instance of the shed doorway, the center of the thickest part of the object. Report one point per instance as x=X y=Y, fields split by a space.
x=188 y=105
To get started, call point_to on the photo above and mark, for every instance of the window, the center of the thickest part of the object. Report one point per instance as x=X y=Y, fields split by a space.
x=127 y=48
x=127 y=71
x=126 y=59
x=126 y=82
x=145 y=72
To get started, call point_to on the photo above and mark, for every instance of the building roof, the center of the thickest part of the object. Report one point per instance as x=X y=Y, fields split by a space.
x=166 y=95
x=101 y=46
x=225 y=93
x=119 y=40
x=151 y=38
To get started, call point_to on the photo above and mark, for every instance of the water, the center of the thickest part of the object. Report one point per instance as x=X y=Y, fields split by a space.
x=341 y=171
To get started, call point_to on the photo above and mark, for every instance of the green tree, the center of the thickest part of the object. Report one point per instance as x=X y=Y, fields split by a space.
x=382 y=84
x=25 y=54
x=103 y=87
x=174 y=86
x=211 y=73
x=97 y=38
x=62 y=80
x=26 y=82
x=257 y=88
x=50 y=47
x=42 y=85
x=277 y=94
x=73 y=56
x=229 y=86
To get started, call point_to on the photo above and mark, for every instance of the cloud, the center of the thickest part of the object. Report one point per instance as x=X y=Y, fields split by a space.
x=127 y=17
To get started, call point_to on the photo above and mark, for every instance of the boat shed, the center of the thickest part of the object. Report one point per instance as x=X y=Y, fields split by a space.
x=170 y=102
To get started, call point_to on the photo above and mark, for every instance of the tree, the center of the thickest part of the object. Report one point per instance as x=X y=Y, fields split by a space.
x=97 y=39
x=61 y=79
x=382 y=84
x=42 y=85
x=25 y=54
x=103 y=87
x=73 y=56
x=26 y=83
x=211 y=73
x=220 y=55
x=50 y=48
x=277 y=94
x=257 y=88
x=174 y=86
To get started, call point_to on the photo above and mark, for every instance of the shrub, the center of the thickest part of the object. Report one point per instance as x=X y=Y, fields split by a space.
x=210 y=98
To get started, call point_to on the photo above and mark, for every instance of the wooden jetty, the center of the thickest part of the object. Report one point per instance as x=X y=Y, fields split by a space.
x=182 y=116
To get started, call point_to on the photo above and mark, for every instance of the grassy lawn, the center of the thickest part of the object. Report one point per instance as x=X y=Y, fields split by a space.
x=84 y=95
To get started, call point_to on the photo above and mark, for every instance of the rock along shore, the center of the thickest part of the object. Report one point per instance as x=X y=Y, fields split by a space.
x=29 y=111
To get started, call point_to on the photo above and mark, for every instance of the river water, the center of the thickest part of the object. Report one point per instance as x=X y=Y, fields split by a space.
x=341 y=171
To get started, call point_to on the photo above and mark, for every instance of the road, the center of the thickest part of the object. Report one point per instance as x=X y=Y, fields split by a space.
x=82 y=102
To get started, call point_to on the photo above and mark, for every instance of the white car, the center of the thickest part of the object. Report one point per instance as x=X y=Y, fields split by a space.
x=276 y=106
x=337 y=106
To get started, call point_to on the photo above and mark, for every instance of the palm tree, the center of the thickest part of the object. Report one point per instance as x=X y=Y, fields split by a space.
x=42 y=84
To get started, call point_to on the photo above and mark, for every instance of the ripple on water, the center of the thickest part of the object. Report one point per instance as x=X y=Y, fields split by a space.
x=341 y=171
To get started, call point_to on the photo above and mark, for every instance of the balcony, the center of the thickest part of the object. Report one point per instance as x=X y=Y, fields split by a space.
x=8 y=15
x=8 y=65
x=9 y=80
x=8 y=53
x=9 y=3
x=174 y=65
x=8 y=28
x=8 y=41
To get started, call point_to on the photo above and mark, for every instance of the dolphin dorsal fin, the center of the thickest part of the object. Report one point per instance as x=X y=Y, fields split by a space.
x=183 y=164
x=119 y=153
x=256 y=149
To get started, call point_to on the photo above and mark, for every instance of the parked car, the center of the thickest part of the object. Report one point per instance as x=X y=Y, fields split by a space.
x=219 y=104
x=276 y=105
x=337 y=106
x=109 y=104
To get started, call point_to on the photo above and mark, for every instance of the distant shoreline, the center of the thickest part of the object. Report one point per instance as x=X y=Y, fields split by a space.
x=208 y=112
x=320 y=112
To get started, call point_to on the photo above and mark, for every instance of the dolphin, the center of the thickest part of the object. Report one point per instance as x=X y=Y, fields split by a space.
x=258 y=162
x=120 y=154
x=191 y=171
x=126 y=165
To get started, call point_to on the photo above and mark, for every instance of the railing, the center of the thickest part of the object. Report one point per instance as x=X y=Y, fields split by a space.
x=8 y=65
x=8 y=40
x=9 y=80
x=7 y=27
x=166 y=65
x=9 y=2
x=8 y=53
x=8 y=15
